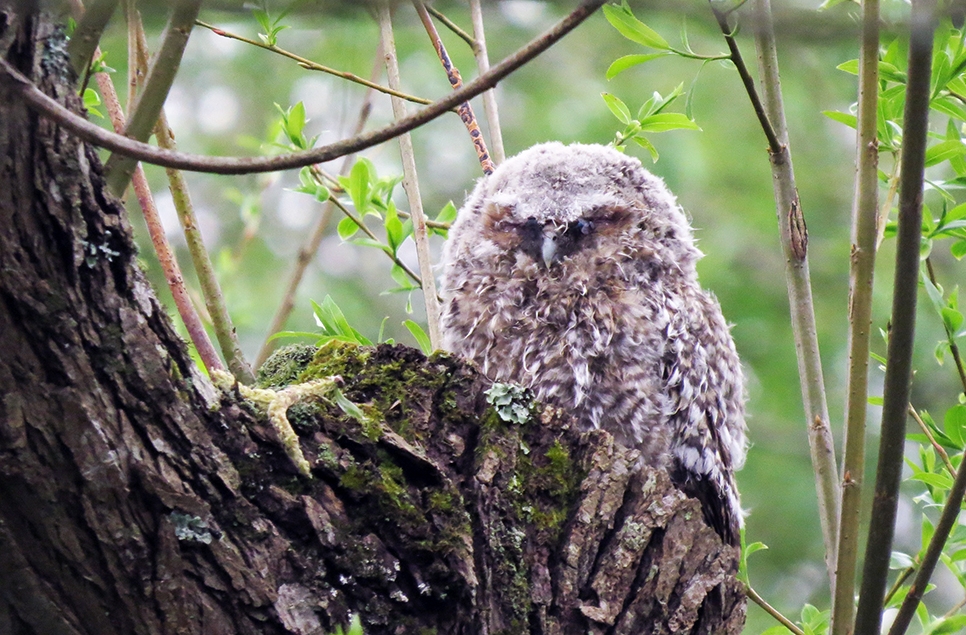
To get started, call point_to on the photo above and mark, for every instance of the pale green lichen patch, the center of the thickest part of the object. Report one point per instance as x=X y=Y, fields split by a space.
x=285 y=365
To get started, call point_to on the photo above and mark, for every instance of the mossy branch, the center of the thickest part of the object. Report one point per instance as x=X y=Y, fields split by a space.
x=899 y=356
x=864 y=234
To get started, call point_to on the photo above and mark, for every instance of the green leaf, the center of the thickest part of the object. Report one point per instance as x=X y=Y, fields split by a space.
x=332 y=321
x=876 y=401
x=347 y=228
x=851 y=67
x=665 y=121
x=943 y=151
x=942 y=481
x=359 y=185
x=622 y=19
x=394 y=229
x=347 y=406
x=91 y=102
x=952 y=320
x=618 y=107
x=958 y=249
x=420 y=335
x=295 y=123
x=954 y=424
x=621 y=64
x=447 y=214
x=842 y=117
x=644 y=143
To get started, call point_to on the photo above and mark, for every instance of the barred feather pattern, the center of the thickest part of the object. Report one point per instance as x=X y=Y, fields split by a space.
x=571 y=270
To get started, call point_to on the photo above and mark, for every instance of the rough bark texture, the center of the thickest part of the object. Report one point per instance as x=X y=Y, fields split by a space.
x=136 y=499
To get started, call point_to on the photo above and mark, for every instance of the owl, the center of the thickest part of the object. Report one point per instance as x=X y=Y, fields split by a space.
x=571 y=270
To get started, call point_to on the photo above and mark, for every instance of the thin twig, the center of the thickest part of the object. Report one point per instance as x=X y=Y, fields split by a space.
x=33 y=97
x=932 y=440
x=160 y=77
x=490 y=107
x=900 y=580
x=314 y=66
x=90 y=26
x=465 y=110
x=950 y=336
x=207 y=280
x=794 y=240
x=368 y=232
x=899 y=356
x=947 y=520
x=774 y=144
x=864 y=217
x=311 y=246
x=411 y=179
x=166 y=258
x=474 y=44
x=771 y=610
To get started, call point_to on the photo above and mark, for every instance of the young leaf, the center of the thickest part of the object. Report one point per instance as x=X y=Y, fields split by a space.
x=618 y=107
x=663 y=122
x=621 y=64
x=622 y=19
x=420 y=335
x=347 y=228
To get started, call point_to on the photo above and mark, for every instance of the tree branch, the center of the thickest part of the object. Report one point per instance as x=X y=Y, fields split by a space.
x=157 y=85
x=794 y=239
x=453 y=74
x=23 y=88
x=905 y=287
x=411 y=180
x=864 y=232
x=83 y=42
x=490 y=107
x=314 y=66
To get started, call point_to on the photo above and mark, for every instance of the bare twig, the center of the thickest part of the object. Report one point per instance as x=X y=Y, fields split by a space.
x=947 y=519
x=774 y=144
x=794 y=239
x=314 y=66
x=864 y=217
x=84 y=40
x=166 y=258
x=368 y=232
x=465 y=110
x=156 y=87
x=207 y=280
x=20 y=86
x=899 y=357
x=308 y=249
x=490 y=108
x=411 y=180
x=452 y=26
x=771 y=610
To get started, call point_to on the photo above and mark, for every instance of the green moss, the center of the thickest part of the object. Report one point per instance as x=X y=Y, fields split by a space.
x=285 y=365
x=336 y=358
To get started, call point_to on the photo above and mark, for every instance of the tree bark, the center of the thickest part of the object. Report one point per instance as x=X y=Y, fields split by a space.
x=135 y=498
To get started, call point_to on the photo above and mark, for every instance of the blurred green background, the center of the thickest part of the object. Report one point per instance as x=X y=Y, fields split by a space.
x=223 y=103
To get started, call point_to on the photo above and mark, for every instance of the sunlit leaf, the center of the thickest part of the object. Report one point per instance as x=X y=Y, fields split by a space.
x=621 y=64
x=420 y=335
x=618 y=107
x=622 y=19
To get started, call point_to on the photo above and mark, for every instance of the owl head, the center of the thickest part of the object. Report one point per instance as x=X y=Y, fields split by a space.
x=559 y=206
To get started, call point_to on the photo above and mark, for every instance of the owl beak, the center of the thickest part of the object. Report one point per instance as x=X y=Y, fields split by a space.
x=549 y=248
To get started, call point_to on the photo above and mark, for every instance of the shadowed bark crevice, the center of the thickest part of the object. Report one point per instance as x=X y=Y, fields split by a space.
x=135 y=498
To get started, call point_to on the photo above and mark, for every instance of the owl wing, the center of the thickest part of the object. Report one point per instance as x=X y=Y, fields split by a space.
x=704 y=386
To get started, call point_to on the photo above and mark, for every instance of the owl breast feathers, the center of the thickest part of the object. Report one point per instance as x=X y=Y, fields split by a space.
x=571 y=270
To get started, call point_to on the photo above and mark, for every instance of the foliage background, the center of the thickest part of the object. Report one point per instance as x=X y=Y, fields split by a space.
x=223 y=103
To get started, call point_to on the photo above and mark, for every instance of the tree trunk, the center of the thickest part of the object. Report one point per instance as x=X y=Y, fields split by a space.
x=135 y=498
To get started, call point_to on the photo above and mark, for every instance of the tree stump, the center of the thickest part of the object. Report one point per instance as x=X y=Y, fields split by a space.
x=134 y=498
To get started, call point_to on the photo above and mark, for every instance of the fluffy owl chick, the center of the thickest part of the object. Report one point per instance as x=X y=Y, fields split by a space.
x=570 y=270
